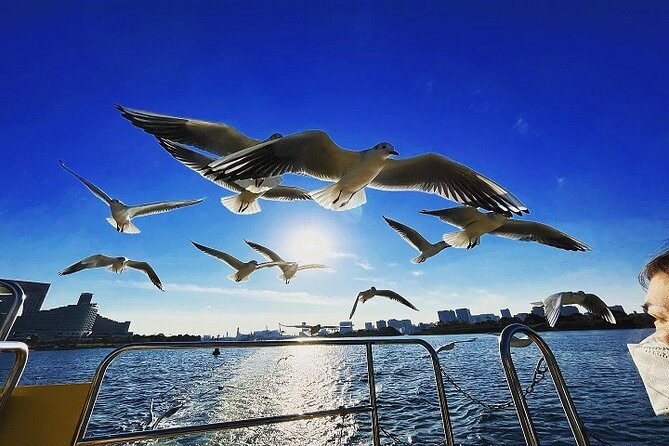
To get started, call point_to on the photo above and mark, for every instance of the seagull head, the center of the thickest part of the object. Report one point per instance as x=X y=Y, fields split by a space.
x=116 y=201
x=274 y=136
x=254 y=262
x=386 y=148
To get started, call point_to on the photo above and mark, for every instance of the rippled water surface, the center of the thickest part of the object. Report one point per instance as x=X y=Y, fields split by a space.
x=247 y=383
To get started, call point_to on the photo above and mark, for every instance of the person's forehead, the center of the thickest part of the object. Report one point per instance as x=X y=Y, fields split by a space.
x=658 y=290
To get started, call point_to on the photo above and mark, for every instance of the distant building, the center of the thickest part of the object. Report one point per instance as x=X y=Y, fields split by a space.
x=521 y=316
x=346 y=327
x=474 y=318
x=266 y=334
x=505 y=312
x=539 y=311
x=369 y=326
x=617 y=309
x=568 y=309
x=463 y=315
x=71 y=321
x=397 y=325
x=35 y=294
x=446 y=316
x=105 y=327
x=381 y=324
x=407 y=326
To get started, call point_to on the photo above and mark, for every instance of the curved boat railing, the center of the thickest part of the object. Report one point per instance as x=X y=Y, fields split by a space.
x=11 y=290
x=530 y=433
x=372 y=408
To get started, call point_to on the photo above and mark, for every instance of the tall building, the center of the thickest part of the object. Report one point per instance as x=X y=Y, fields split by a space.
x=381 y=324
x=617 y=309
x=407 y=326
x=505 y=312
x=346 y=327
x=369 y=326
x=105 y=327
x=446 y=316
x=35 y=294
x=539 y=311
x=463 y=315
x=521 y=316
x=70 y=321
x=569 y=309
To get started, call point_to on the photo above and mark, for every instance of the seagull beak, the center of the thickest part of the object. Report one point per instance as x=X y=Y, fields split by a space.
x=394 y=152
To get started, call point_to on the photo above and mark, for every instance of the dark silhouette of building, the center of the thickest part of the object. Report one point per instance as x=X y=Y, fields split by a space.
x=105 y=327
x=446 y=316
x=505 y=312
x=464 y=315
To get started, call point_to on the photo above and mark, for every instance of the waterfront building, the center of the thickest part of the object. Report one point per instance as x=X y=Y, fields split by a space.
x=381 y=324
x=35 y=294
x=463 y=315
x=569 y=309
x=70 y=321
x=369 y=326
x=105 y=327
x=539 y=311
x=505 y=312
x=617 y=309
x=407 y=326
x=446 y=316
x=345 y=327
x=521 y=316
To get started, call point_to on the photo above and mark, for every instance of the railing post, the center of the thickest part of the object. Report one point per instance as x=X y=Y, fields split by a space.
x=17 y=296
x=372 y=395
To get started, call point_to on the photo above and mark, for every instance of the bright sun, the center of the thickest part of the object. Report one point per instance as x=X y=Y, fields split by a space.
x=309 y=244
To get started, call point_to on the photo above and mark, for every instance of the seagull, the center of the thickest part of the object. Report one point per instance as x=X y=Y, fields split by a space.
x=115 y=264
x=313 y=329
x=412 y=237
x=121 y=214
x=475 y=223
x=248 y=191
x=214 y=137
x=285 y=358
x=364 y=296
x=315 y=154
x=592 y=303
x=289 y=269
x=451 y=345
x=518 y=342
x=243 y=270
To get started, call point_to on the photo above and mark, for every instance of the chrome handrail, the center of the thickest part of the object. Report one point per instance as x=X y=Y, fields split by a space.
x=372 y=408
x=530 y=433
x=20 y=351
x=18 y=296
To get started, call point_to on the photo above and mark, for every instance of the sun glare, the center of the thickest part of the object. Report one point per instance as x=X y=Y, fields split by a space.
x=309 y=244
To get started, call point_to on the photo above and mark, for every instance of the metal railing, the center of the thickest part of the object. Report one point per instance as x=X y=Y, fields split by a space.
x=530 y=433
x=11 y=290
x=372 y=408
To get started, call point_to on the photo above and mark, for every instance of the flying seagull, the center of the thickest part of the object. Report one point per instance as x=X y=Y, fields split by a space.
x=115 y=264
x=590 y=302
x=364 y=296
x=315 y=154
x=475 y=223
x=121 y=214
x=518 y=342
x=243 y=270
x=289 y=269
x=451 y=345
x=214 y=137
x=245 y=202
x=313 y=329
x=412 y=237
x=284 y=358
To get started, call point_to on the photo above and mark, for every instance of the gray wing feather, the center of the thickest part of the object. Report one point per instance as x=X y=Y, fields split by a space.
x=595 y=305
x=143 y=210
x=94 y=261
x=146 y=269
x=532 y=231
x=286 y=193
x=355 y=305
x=390 y=294
x=460 y=217
x=92 y=187
x=264 y=251
x=410 y=235
x=552 y=306
x=220 y=255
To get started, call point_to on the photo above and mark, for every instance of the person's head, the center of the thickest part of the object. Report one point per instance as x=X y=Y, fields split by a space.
x=654 y=277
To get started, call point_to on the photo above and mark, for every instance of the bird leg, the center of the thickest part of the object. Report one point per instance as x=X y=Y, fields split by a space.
x=338 y=197
x=259 y=181
x=246 y=207
x=349 y=199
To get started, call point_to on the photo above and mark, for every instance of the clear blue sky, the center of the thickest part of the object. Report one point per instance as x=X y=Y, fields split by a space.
x=565 y=105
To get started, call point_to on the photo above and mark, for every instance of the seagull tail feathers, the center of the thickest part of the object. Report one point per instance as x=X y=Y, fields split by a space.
x=419 y=259
x=333 y=198
x=129 y=228
x=457 y=239
x=235 y=204
x=233 y=277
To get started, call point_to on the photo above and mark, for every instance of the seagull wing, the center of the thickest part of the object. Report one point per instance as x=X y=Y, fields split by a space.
x=92 y=187
x=460 y=217
x=214 y=137
x=298 y=326
x=595 y=305
x=436 y=174
x=197 y=162
x=520 y=342
x=264 y=251
x=446 y=347
x=286 y=193
x=312 y=266
x=329 y=326
x=160 y=207
x=280 y=264
x=552 y=306
x=220 y=255
x=94 y=261
x=532 y=231
x=311 y=153
x=355 y=305
x=396 y=297
x=411 y=236
x=146 y=269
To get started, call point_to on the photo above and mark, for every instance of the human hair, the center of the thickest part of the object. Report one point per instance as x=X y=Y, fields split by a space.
x=659 y=264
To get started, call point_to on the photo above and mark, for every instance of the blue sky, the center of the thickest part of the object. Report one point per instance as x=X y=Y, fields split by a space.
x=566 y=105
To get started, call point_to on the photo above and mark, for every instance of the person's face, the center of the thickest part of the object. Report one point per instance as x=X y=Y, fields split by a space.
x=657 y=305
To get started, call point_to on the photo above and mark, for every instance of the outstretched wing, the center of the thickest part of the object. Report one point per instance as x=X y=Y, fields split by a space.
x=312 y=266
x=311 y=153
x=160 y=207
x=220 y=255
x=270 y=264
x=214 y=137
x=532 y=231
x=595 y=305
x=552 y=306
x=146 y=269
x=286 y=193
x=390 y=294
x=410 y=235
x=460 y=217
x=92 y=187
x=197 y=162
x=94 y=261
x=264 y=251
x=355 y=305
x=436 y=174
x=298 y=326
x=446 y=347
